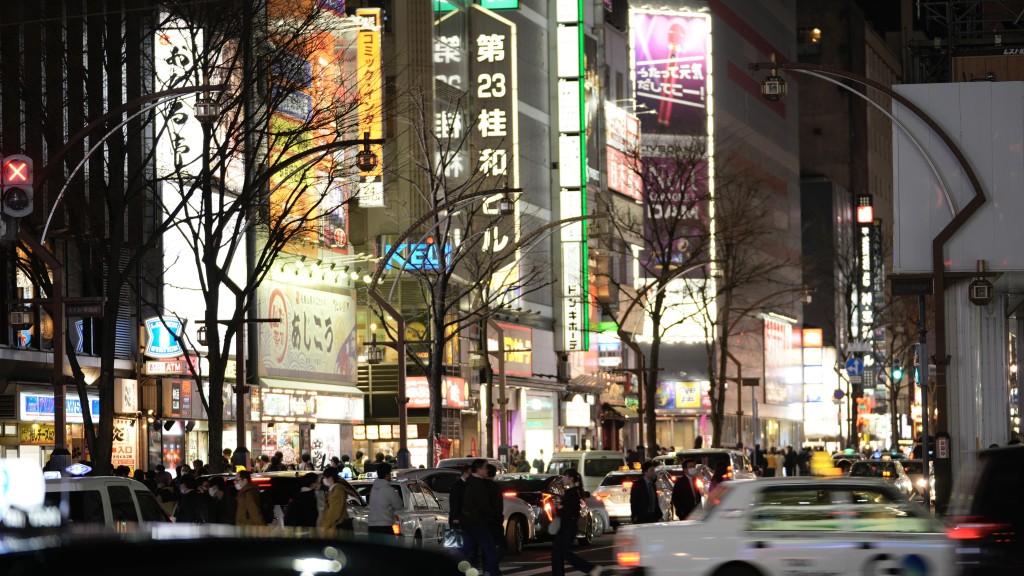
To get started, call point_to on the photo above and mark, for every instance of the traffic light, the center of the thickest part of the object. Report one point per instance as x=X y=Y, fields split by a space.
x=897 y=372
x=16 y=186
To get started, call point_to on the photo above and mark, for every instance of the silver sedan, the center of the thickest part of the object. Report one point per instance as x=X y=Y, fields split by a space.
x=421 y=522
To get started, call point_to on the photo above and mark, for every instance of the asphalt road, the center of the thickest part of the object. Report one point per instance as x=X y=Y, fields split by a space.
x=536 y=558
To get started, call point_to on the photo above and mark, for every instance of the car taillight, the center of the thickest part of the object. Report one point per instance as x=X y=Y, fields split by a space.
x=548 y=508
x=628 y=558
x=511 y=494
x=974 y=529
x=602 y=496
x=627 y=484
x=397 y=527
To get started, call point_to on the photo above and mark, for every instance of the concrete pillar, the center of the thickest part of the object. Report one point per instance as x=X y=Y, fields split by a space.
x=978 y=376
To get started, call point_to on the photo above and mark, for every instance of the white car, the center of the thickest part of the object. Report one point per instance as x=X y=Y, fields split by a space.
x=791 y=526
x=615 y=490
x=520 y=517
x=105 y=500
x=422 y=521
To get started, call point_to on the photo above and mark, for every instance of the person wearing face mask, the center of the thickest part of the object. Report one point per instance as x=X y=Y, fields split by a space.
x=191 y=506
x=684 y=494
x=222 y=507
x=335 y=516
x=248 y=512
x=302 y=509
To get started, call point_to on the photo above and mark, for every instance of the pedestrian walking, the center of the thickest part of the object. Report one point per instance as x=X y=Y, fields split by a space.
x=191 y=507
x=335 y=516
x=477 y=518
x=568 y=517
x=223 y=505
x=643 y=497
x=306 y=462
x=498 y=505
x=384 y=502
x=165 y=493
x=248 y=511
x=721 y=469
x=790 y=461
x=538 y=462
x=685 y=496
x=780 y=463
x=455 y=499
x=302 y=509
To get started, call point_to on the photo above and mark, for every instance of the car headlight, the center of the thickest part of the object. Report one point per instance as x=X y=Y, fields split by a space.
x=922 y=483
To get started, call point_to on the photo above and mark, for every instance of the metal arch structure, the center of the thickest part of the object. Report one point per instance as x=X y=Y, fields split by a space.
x=959 y=219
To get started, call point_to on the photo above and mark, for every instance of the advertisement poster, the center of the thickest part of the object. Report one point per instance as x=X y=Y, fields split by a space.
x=676 y=395
x=125 y=446
x=315 y=337
x=671 y=65
x=324 y=442
x=779 y=357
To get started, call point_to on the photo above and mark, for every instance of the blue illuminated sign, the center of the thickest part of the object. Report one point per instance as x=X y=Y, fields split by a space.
x=162 y=337
x=40 y=407
x=416 y=257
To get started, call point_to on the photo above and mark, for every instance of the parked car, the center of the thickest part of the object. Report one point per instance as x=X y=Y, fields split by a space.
x=421 y=522
x=520 y=517
x=807 y=525
x=593 y=465
x=889 y=471
x=989 y=515
x=615 y=490
x=105 y=500
x=542 y=492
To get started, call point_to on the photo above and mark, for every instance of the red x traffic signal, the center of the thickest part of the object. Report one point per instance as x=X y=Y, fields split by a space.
x=16 y=186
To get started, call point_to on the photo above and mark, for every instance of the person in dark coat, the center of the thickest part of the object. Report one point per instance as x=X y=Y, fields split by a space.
x=569 y=515
x=222 y=508
x=685 y=496
x=477 y=518
x=302 y=508
x=497 y=504
x=191 y=507
x=455 y=499
x=791 y=461
x=643 y=498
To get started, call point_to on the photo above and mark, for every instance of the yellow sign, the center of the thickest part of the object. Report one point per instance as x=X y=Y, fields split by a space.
x=36 y=433
x=371 y=101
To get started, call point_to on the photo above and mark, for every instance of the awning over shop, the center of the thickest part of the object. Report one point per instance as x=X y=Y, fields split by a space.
x=312 y=386
x=623 y=412
x=586 y=384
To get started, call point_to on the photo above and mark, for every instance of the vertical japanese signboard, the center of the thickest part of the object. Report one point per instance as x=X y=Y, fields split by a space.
x=572 y=173
x=451 y=72
x=370 y=83
x=623 y=145
x=179 y=145
x=493 y=43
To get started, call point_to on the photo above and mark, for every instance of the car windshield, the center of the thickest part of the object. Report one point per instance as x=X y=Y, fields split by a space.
x=874 y=470
x=601 y=466
x=526 y=484
x=619 y=479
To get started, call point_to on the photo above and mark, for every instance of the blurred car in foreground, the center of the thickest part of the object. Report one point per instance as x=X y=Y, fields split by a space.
x=420 y=522
x=170 y=550
x=520 y=517
x=889 y=471
x=615 y=490
x=541 y=492
x=464 y=462
x=989 y=526
x=793 y=526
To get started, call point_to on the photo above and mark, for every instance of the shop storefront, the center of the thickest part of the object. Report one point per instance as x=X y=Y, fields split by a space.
x=373 y=439
x=36 y=433
x=679 y=406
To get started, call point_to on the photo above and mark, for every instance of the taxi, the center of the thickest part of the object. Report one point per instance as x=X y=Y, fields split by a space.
x=792 y=526
x=421 y=521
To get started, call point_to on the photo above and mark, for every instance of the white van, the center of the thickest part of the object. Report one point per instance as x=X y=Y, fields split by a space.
x=105 y=500
x=593 y=465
